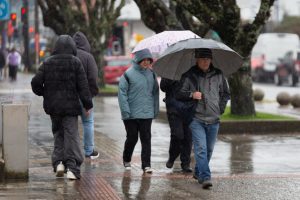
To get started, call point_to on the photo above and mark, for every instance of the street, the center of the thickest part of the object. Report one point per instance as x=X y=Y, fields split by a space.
x=271 y=90
x=243 y=166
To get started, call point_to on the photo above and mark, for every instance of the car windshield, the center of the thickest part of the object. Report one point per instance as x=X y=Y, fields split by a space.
x=118 y=62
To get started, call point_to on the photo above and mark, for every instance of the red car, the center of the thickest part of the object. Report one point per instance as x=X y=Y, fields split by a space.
x=115 y=67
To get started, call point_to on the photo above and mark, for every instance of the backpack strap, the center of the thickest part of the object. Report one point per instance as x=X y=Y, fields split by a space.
x=126 y=77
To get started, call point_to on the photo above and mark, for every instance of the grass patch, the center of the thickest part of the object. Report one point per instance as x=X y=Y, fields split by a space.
x=109 y=89
x=259 y=116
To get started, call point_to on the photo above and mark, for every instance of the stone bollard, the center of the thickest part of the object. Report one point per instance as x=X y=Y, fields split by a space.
x=15 y=140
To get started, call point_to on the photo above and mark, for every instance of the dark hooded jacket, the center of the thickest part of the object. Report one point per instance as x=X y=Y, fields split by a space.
x=61 y=81
x=87 y=60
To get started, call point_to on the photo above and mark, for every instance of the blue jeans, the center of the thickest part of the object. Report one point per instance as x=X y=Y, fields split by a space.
x=204 y=137
x=88 y=131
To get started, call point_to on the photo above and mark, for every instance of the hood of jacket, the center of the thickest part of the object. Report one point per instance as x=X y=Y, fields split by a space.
x=64 y=45
x=81 y=41
x=142 y=54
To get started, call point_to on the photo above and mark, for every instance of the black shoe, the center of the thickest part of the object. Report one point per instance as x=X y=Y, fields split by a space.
x=195 y=176
x=93 y=155
x=187 y=170
x=207 y=184
x=169 y=164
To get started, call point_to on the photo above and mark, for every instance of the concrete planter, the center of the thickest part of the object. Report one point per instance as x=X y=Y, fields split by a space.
x=15 y=140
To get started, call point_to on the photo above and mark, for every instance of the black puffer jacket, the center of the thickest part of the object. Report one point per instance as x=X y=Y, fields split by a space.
x=87 y=60
x=61 y=81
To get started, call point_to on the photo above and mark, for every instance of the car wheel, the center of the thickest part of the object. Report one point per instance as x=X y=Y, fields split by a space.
x=295 y=80
x=277 y=80
x=290 y=79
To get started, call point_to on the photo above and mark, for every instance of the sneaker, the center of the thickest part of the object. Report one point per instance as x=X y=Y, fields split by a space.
x=127 y=165
x=70 y=175
x=148 y=170
x=169 y=164
x=60 y=170
x=207 y=184
x=93 y=155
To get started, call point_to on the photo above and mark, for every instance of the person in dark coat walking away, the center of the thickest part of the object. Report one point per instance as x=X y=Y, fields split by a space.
x=139 y=103
x=61 y=81
x=209 y=87
x=181 y=138
x=91 y=71
x=2 y=63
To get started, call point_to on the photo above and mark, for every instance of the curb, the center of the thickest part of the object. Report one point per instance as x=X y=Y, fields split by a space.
x=261 y=127
x=107 y=94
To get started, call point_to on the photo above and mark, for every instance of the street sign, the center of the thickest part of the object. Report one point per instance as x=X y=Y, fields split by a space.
x=4 y=9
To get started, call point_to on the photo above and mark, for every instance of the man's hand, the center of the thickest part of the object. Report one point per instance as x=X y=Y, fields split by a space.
x=88 y=112
x=197 y=95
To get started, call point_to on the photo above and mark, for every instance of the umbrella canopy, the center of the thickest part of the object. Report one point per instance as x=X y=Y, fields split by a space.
x=160 y=42
x=180 y=57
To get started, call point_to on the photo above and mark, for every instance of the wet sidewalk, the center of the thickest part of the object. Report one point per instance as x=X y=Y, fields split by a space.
x=243 y=166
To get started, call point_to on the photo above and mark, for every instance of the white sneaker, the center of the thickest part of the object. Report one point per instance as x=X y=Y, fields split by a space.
x=70 y=175
x=60 y=170
x=127 y=165
x=148 y=170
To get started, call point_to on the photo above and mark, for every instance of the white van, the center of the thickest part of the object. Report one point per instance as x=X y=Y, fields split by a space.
x=267 y=51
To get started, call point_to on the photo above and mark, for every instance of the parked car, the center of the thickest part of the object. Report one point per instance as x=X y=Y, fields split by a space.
x=288 y=68
x=115 y=67
x=266 y=52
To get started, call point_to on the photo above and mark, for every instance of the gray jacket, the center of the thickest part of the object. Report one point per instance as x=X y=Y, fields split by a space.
x=214 y=89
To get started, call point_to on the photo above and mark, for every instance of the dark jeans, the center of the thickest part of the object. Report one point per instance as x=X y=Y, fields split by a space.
x=181 y=140
x=67 y=146
x=134 y=128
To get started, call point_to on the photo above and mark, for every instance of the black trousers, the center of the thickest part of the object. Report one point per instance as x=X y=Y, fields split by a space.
x=181 y=140
x=12 y=71
x=134 y=128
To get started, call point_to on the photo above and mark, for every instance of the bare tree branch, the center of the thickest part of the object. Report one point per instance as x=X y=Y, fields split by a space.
x=157 y=16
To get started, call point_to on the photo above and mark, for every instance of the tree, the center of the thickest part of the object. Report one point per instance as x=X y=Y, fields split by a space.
x=95 y=18
x=201 y=16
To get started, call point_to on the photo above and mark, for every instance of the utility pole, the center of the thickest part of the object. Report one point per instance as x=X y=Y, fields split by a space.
x=26 y=57
x=36 y=33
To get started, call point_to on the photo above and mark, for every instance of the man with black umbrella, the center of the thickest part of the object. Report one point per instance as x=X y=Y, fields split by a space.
x=208 y=86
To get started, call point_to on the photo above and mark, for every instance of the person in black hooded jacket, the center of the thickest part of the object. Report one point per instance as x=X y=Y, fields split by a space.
x=181 y=136
x=61 y=81
x=91 y=71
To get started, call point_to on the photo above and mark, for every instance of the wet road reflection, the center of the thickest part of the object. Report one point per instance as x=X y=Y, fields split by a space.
x=134 y=190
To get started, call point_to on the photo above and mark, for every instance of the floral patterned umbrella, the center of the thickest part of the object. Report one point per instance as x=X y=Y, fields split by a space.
x=160 y=42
